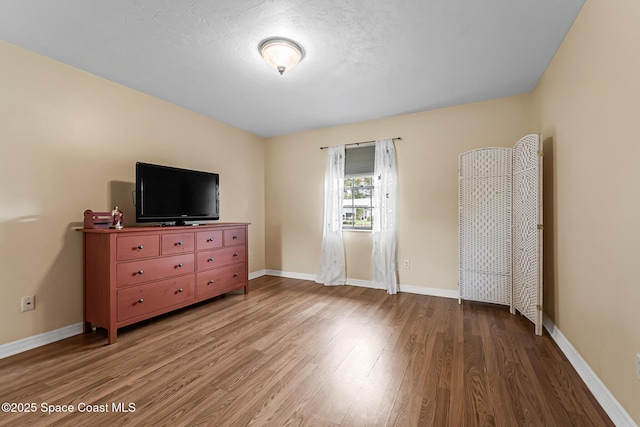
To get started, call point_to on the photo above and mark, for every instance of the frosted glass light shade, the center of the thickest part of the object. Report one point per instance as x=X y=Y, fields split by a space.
x=281 y=54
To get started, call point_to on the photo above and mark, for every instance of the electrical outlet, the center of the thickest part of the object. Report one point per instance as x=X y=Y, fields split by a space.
x=250 y=255
x=28 y=303
x=638 y=365
x=406 y=264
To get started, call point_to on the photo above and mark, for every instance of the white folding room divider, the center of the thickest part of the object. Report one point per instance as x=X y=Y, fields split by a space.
x=500 y=227
x=485 y=225
x=527 y=229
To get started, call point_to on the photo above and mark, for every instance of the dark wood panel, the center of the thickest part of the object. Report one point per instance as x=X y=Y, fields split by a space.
x=297 y=353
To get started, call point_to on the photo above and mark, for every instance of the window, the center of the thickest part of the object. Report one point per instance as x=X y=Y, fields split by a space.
x=358 y=188
x=356 y=207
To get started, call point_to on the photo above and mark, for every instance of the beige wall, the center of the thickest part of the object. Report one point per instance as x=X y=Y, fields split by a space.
x=587 y=107
x=428 y=188
x=69 y=142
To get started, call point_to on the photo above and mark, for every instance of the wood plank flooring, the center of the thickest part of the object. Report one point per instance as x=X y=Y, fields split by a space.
x=295 y=353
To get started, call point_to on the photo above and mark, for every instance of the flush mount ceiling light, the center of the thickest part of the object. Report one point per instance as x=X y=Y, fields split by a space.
x=280 y=53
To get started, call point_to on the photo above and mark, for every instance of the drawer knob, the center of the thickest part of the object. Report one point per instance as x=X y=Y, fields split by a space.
x=210 y=282
x=140 y=247
x=236 y=254
x=236 y=275
x=179 y=243
x=210 y=259
x=210 y=239
x=140 y=301
x=180 y=290
x=180 y=265
x=140 y=272
x=235 y=237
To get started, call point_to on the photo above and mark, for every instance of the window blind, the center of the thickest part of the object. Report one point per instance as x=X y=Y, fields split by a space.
x=359 y=161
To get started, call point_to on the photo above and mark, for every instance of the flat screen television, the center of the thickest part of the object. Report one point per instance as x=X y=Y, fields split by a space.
x=171 y=195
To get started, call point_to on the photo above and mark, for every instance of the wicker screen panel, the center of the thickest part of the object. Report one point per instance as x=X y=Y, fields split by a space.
x=485 y=178
x=527 y=235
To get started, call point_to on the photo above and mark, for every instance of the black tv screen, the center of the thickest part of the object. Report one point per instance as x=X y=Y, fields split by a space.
x=167 y=194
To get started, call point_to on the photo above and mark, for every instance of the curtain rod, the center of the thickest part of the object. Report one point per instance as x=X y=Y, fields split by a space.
x=397 y=138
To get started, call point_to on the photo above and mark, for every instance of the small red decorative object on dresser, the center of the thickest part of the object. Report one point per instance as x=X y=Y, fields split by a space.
x=136 y=273
x=97 y=219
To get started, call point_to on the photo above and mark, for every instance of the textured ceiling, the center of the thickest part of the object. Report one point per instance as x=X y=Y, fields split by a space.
x=364 y=60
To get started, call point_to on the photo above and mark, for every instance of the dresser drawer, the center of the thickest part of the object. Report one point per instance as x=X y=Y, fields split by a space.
x=136 y=247
x=210 y=282
x=235 y=236
x=140 y=300
x=177 y=243
x=134 y=272
x=219 y=257
x=210 y=239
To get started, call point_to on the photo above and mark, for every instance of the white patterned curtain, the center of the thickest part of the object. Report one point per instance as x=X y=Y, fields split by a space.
x=385 y=234
x=332 y=265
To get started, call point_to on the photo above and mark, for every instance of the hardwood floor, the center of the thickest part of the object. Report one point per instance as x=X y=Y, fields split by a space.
x=294 y=353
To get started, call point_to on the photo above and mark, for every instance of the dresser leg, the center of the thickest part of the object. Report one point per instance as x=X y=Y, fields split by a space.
x=87 y=327
x=112 y=333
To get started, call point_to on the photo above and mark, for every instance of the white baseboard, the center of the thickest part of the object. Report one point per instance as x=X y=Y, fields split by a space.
x=433 y=292
x=412 y=289
x=291 y=275
x=256 y=274
x=362 y=283
x=611 y=406
x=39 y=340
